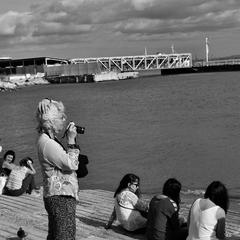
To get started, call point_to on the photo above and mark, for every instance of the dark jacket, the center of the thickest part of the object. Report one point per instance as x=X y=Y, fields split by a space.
x=163 y=221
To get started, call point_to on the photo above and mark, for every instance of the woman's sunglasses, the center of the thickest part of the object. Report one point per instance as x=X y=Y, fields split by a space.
x=136 y=184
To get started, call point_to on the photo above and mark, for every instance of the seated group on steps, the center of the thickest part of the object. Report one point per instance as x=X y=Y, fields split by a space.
x=159 y=218
x=18 y=179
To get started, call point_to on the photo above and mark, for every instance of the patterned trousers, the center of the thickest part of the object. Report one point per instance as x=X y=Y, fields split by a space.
x=61 y=217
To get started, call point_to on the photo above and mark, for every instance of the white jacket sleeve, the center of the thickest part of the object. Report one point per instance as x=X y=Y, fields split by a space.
x=55 y=154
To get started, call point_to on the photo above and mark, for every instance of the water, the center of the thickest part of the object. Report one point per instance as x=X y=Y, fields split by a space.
x=183 y=126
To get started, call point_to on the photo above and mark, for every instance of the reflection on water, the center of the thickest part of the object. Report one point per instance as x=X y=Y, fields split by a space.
x=184 y=126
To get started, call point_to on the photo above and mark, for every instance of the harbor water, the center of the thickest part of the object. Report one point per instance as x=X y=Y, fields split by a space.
x=183 y=126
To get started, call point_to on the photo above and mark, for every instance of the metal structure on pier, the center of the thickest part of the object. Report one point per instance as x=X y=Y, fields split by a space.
x=222 y=62
x=218 y=62
x=141 y=62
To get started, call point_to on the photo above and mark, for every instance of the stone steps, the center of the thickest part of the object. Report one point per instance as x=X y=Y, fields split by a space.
x=93 y=211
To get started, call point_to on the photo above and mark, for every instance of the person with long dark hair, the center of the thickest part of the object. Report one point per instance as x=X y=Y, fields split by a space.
x=129 y=209
x=8 y=162
x=163 y=218
x=207 y=215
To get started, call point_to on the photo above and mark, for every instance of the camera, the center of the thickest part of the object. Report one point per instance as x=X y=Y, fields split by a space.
x=80 y=130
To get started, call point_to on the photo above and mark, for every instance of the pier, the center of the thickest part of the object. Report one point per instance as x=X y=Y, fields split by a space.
x=139 y=62
x=93 y=211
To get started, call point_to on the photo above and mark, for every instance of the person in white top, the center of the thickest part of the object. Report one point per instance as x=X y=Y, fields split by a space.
x=206 y=218
x=21 y=178
x=129 y=209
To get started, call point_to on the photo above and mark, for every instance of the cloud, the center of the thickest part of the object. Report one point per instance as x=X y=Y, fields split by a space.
x=11 y=21
x=63 y=21
x=209 y=22
x=58 y=28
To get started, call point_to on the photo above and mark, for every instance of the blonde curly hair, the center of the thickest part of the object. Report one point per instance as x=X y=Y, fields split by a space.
x=47 y=112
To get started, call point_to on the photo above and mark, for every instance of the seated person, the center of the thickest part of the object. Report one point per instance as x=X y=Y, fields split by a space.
x=21 y=178
x=163 y=220
x=206 y=218
x=129 y=209
x=8 y=162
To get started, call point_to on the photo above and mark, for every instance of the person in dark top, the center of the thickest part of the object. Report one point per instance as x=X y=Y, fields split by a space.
x=8 y=161
x=163 y=219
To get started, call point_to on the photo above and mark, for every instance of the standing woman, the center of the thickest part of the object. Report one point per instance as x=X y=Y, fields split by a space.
x=207 y=215
x=60 y=183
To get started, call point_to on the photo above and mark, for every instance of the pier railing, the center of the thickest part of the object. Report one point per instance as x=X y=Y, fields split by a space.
x=218 y=62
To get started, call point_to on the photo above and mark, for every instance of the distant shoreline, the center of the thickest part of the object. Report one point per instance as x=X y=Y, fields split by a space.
x=13 y=82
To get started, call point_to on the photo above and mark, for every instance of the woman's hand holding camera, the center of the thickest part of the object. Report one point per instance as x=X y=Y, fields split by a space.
x=71 y=133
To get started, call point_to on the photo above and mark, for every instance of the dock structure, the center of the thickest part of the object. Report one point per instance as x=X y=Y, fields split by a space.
x=223 y=62
x=93 y=211
x=140 y=62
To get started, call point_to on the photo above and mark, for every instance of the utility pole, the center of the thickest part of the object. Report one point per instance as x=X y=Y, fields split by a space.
x=207 y=50
x=145 y=51
x=172 y=47
x=145 y=60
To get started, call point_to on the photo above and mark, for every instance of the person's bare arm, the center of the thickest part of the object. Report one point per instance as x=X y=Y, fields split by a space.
x=142 y=205
x=8 y=165
x=111 y=219
x=220 y=228
x=32 y=169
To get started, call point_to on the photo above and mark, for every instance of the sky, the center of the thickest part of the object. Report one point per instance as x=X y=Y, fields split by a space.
x=98 y=28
